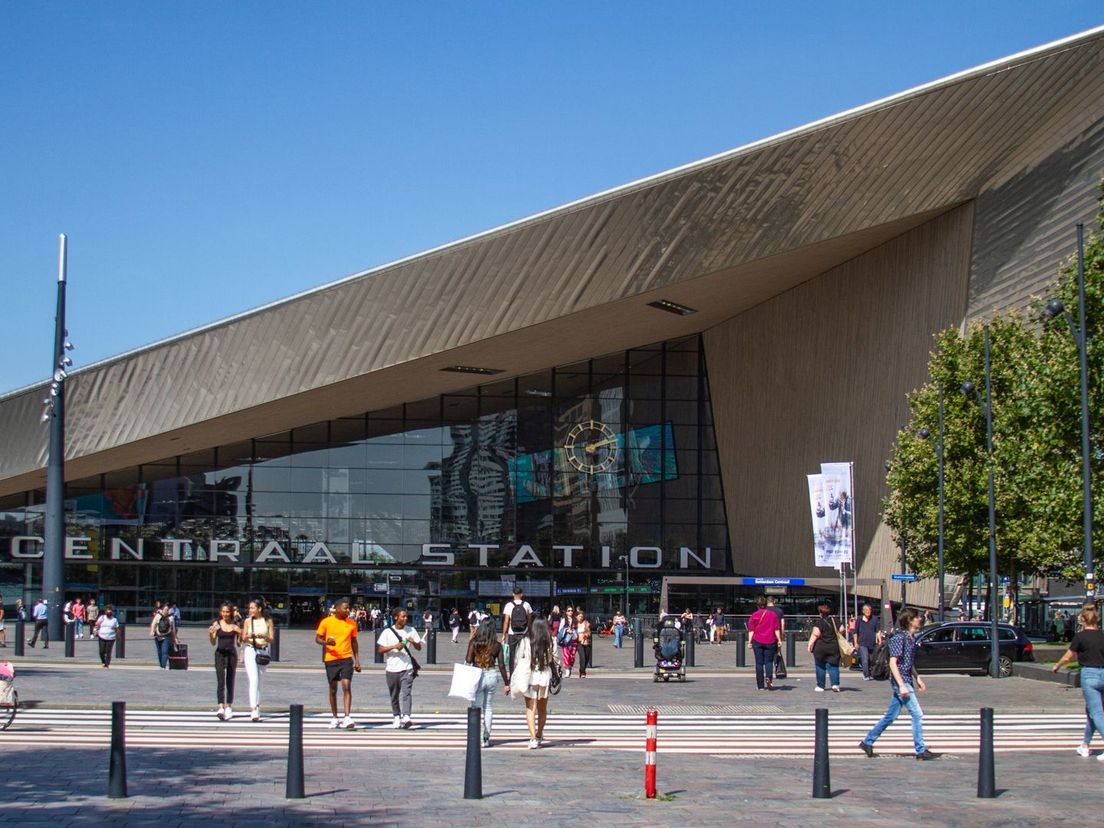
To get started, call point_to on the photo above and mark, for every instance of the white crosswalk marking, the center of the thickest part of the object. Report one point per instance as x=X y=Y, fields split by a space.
x=780 y=735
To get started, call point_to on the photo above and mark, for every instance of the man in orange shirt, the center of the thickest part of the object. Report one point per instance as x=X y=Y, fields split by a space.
x=337 y=635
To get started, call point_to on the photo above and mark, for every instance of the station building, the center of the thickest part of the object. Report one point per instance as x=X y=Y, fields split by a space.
x=630 y=386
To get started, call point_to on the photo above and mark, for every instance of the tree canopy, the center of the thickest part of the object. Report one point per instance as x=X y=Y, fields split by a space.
x=1036 y=408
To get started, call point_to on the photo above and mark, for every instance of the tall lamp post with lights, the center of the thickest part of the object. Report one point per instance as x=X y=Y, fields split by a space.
x=924 y=435
x=53 y=412
x=970 y=390
x=1054 y=308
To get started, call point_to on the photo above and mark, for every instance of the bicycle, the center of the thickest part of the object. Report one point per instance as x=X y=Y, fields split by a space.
x=9 y=698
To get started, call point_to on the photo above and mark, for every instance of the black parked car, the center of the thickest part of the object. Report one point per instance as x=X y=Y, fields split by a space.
x=963 y=646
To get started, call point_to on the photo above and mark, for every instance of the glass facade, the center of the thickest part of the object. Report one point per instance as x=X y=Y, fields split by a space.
x=568 y=480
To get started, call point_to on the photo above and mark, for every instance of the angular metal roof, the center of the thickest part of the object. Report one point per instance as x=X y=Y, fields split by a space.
x=722 y=235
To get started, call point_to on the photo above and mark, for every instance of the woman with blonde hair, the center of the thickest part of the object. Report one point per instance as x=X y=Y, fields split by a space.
x=1087 y=647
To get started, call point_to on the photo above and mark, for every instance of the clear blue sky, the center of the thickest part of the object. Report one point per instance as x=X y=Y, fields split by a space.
x=205 y=158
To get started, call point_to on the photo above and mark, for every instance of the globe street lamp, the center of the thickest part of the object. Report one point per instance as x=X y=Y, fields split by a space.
x=924 y=435
x=1054 y=308
x=969 y=389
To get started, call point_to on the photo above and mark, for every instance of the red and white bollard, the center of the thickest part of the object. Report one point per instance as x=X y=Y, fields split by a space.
x=650 y=755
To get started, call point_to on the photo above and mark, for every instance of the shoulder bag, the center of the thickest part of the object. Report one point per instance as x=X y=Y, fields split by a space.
x=414 y=662
x=845 y=646
x=260 y=654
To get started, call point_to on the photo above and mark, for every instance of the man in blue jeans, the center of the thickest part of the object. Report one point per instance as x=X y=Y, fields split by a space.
x=163 y=632
x=905 y=683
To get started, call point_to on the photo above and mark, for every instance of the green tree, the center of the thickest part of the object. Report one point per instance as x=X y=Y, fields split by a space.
x=1036 y=440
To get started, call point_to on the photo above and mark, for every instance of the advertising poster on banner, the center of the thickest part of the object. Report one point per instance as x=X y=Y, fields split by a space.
x=820 y=520
x=839 y=537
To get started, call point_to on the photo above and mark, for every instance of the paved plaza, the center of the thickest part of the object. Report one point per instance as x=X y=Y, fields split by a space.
x=733 y=754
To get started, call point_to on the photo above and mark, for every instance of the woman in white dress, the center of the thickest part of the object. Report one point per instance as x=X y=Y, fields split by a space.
x=531 y=678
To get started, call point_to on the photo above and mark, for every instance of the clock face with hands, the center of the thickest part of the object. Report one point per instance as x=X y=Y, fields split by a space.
x=591 y=447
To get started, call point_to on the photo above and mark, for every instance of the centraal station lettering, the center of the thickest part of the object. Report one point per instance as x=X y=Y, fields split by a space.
x=231 y=553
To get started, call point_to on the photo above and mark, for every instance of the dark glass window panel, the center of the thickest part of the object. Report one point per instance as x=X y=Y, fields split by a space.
x=311 y=455
x=120 y=575
x=419 y=481
x=234 y=454
x=711 y=464
x=420 y=456
x=460 y=409
x=269 y=581
x=644 y=534
x=417 y=507
x=494 y=406
x=193 y=579
x=682 y=364
x=305 y=480
x=645 y=363
x=384 y=430
x=384 y=456
x=427 y=411
x=272 y=504
x=680 y=511
x=386 y=532
x=713 y=511
x=416 y=532
x=121 y=478
x=384 y=480
x=314 y=433
x=203 y=459
x=711 y=487
x=347 y=430
x=231 y=581
x=536 y=386
x=423 y=433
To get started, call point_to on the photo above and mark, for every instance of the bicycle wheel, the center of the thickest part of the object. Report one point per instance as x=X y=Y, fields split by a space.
x=8 y=711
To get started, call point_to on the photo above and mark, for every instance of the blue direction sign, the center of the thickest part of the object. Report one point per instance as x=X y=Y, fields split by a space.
x=774 y=582
x=897 y=576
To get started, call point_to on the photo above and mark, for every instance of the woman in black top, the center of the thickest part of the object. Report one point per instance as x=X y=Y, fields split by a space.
x=224 y=635
x=824 y=646
x=1088 y=647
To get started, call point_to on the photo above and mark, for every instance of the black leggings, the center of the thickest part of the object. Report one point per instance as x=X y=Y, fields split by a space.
x=107 y=647
x=585 y=651
x=226 y=666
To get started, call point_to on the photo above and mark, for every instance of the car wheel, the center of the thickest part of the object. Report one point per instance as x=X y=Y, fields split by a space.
x=1005 y=666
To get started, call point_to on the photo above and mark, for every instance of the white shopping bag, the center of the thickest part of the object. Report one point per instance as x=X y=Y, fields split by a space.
x=465 y=681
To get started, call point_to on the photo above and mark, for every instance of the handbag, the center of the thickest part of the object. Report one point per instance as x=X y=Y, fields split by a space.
x=845 y=646
x=556 y=682
x=260 y=654
x=465 y=681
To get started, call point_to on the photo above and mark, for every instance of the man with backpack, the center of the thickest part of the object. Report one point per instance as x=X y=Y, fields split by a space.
x=163 y=632
x=517 y=617
x=905 y=683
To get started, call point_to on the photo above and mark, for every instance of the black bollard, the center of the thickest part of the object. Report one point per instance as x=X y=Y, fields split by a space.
x=791 y=648
x=70 y=640
x=741 y=648
x=295 y=788
x=987 y=774
x=690 y=644
x=431 y=647
x=376 y=649
x=473 y=759
x=822 y=785
x=120 y=641
x=20 y=636
x=116 y=772
x=638 y=643
x=274 y=646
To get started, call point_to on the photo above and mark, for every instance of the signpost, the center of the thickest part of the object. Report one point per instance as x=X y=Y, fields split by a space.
x=904 y=576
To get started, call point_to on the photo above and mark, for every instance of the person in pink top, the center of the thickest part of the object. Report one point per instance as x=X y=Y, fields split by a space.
x=766 y=638
x=77 y=611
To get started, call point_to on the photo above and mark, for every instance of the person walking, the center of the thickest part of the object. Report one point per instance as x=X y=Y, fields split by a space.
x=568 y=639
x=77 y=611
x=866 y=637
x=765 y=642
x=620 y=623
x=905 y=683
x=92 y=612
x=105 y=631
x=517 y=618
x=718 y=626
x=824 y=647
x=40 y=612
x=163 y=632
x=454 y=624
x=394 y=642
x=337 y=635
x=586 y=649
x=485 y=652
x=1088 y=648
x=531 y=678
x=224 y=635
x=256 y=636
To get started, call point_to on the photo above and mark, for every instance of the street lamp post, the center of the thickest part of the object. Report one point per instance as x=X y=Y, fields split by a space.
x=925 y=434
x=53 y=559
x=625 y=558
x=1053 y=309
x=969 y=389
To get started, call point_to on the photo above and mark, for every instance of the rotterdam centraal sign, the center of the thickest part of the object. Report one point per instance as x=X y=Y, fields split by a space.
x=275 y=553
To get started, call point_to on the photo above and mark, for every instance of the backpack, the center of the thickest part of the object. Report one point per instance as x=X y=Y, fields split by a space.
x=879 y=660
x=519 y=619
x=164 y=626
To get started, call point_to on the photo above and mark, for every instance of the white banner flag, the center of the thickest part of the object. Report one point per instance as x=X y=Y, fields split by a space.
x=839 y=520
x=820 y=520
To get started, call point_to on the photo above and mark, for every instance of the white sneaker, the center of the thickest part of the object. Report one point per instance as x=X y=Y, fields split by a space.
x=835 y=688
x=1100 y=757
x=1083 y=750
x=533 y=744
x=348 y=723
x=335 y=723
x=397 y=723
x=218 y=713
x=255 y=716
x=819 y=689
x=227 y=714
x=406 y=723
